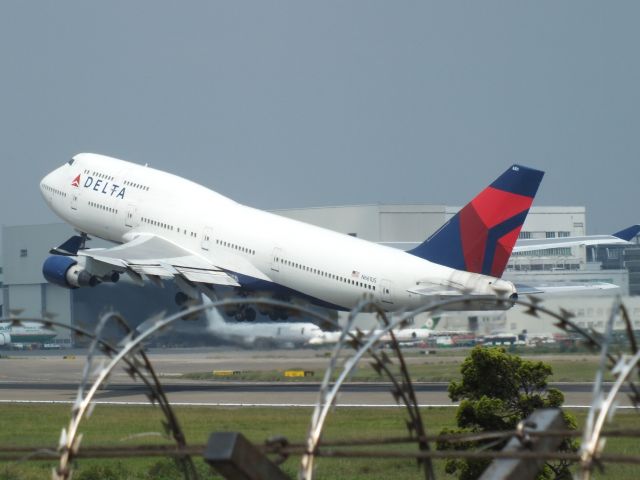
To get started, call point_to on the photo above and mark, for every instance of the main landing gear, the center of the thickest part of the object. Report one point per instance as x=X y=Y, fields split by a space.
x=241 y=313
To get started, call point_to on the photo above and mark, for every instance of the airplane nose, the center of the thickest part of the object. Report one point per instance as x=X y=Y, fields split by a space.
x=43 y=184
x=49 y=184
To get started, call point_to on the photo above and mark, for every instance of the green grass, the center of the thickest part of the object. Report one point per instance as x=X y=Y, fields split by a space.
x=433 y=369
x=40 y=425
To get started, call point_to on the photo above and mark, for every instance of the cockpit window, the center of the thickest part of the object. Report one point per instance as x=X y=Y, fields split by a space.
x=70 y=162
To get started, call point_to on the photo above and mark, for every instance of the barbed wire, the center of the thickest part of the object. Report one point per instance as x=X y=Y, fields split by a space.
x=130 y=351
x=10 y=452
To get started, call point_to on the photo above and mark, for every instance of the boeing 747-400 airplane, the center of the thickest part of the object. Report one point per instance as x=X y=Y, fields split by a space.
x=169 y=227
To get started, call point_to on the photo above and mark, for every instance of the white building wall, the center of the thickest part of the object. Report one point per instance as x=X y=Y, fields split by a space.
x=376 y=223
x=409 y=223
x=552 y=222
x=25 y=300
x=359 y=219
x=57 y=301
x=590 y=312
x=556 y=219
x=24 y=249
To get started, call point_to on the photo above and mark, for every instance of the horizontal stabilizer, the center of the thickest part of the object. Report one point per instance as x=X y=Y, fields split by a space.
x=217 y=277
x=70 y=247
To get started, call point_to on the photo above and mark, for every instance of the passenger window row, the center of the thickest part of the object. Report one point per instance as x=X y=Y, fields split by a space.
x=99 y=175
x=102 y=207
x=166 y=226
x=234 y=246
x=54 y=190
x=136 y=185
x=322 y=273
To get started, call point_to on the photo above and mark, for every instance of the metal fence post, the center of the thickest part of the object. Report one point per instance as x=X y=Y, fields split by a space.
x=236 y=458
x=526 y=468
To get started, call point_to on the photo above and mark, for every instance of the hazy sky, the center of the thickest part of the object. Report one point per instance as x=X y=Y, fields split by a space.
x=294 y=104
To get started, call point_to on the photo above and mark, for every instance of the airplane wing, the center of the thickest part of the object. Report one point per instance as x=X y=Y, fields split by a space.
x=155 y=256
x=442 y=293
x=621 y=237
x=526 y=245
x=563 y=289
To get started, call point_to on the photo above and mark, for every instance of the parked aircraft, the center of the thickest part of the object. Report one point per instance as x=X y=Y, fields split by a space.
x=27 y=333
x=402 y=335
x=277 y=334
x=169 y=227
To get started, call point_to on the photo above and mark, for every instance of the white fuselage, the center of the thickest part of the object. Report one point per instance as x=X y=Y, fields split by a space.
x=405 y=335
x=25 y=333
x=118 y=201
x=263 y=334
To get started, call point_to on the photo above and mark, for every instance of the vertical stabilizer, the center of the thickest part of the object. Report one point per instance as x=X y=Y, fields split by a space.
x=481 y=236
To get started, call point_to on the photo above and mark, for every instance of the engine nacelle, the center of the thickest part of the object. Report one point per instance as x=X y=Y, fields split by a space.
x=65 y=272
x=5 y=338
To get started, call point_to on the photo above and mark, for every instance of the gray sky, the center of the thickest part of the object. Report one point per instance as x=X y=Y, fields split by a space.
x=293 y=104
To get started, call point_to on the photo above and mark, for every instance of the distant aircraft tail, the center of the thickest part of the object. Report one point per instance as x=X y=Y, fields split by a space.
x=628 y=233
x=213 y=315
x=431 y=323
x=481 y=236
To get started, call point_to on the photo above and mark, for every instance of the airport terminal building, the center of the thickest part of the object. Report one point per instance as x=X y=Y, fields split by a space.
x=26 y=293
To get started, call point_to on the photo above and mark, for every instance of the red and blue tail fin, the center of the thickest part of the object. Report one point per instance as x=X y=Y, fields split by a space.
x=480 y=237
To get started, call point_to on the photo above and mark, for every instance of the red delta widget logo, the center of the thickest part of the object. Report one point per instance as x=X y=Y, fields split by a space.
x=98 y=185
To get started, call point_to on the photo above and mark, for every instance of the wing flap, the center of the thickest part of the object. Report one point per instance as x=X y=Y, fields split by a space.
x=156 y=257
x=199 y=275
x=157 y=270
x=432 y=292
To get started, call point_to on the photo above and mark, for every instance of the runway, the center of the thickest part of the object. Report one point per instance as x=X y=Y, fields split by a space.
x=255 y=393
x=53 y=378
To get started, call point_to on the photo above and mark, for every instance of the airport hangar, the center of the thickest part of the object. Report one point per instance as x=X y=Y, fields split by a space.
x=25 y=247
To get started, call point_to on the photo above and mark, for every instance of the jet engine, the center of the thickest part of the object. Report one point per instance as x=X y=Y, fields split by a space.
x=68 y=273
x=5 y=338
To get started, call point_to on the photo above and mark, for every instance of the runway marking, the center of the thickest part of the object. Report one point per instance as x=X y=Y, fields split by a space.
x=265 y=405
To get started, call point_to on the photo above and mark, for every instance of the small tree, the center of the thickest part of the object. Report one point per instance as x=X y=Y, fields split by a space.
x=498 y=390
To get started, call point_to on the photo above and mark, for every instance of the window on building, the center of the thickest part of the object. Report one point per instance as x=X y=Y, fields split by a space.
x=564 y=234
x=524 y=235
x=550 y=234
x=23 y=252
